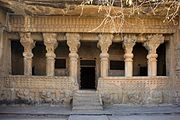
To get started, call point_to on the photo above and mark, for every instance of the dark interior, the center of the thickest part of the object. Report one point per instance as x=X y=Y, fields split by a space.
x=143 y=71
x=17 y=58
x=87 y=74
x=87 y=77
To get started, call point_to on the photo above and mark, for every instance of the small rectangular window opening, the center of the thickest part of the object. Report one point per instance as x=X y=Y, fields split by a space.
x=60 y=63
x=116 y=65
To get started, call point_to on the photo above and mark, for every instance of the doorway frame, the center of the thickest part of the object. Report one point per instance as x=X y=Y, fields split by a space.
x=95 y=66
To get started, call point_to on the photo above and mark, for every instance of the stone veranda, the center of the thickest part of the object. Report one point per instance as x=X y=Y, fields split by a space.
x=47 y=55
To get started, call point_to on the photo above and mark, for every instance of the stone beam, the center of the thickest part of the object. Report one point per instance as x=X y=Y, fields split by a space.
x=77 y=24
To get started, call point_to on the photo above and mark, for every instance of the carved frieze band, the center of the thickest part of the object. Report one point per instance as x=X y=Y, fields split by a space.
x=85 y=24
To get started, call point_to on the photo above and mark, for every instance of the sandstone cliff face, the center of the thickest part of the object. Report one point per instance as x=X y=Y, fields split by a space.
x=86 y=8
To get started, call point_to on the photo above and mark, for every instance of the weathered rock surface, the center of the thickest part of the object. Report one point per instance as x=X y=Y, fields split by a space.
x=75 y=7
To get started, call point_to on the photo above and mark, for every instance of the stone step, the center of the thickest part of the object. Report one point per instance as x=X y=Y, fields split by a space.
x=86 y=92
x=90 y=107
x=87 y=95
x=83 y=104
x=87 y=107
x=90 y=112
x=87 y=100
x=87 y=103
x=88 y=117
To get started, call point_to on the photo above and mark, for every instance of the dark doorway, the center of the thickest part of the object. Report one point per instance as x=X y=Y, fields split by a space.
x=87 y=74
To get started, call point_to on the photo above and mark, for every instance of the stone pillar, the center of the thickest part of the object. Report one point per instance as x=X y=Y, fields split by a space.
x=50 y=41
x=128 y=44
x=73 y=41
x=28 y=44
x=1 y=41
x=1 y=49
x=151 y=44
x=105 y=40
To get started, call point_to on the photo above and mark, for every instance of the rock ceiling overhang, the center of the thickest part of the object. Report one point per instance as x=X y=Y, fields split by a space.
x=68 y=7
x=38 y=16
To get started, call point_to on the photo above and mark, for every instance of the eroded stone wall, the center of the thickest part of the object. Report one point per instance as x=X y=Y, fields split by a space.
x=135 y=91
x=4 y=45
x=36 y=90
x=177 y=66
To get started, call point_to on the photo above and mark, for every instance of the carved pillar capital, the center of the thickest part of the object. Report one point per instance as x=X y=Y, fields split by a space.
x=28 y=44
x=105 y=40
x=152 y=42
x=129 y=42
x=50 y=41
x=73 y=41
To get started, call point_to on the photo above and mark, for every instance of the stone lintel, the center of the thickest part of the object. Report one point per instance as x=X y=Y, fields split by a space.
x=78 y=24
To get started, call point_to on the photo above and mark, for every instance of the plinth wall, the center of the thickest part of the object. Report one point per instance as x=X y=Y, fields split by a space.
x=136 y=90
x=36 y=89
